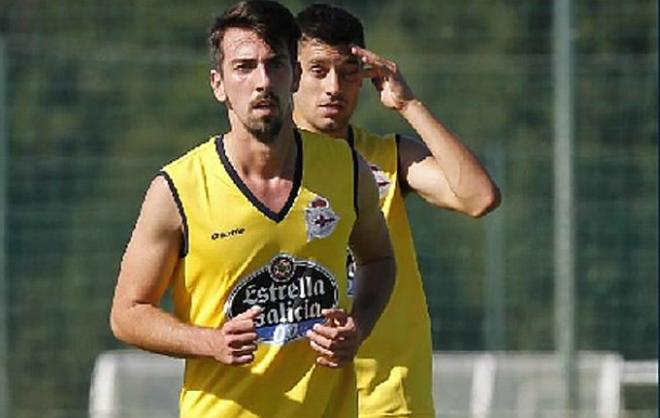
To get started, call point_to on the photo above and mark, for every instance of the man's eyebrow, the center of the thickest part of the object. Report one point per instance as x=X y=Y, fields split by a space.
x=274 y=57
x=241 y=60
x=318 y=60
x=352 y=59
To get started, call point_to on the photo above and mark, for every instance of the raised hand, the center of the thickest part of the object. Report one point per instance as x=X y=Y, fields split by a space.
x=336 y=340
x=236 y=341
x=386 y=77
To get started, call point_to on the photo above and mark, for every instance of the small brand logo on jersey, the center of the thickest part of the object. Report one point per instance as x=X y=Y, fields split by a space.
x=320 y=219
x=228 y=234
x=382 y=181
x=292 y=293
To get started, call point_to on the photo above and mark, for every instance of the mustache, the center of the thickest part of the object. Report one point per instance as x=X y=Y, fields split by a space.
x=265 y=99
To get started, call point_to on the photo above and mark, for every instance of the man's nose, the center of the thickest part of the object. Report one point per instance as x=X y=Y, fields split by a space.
x=331 y=83
x=263 y=77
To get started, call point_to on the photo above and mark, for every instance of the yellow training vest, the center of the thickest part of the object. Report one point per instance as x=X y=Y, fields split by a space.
x=394 y=365
x=237 y=253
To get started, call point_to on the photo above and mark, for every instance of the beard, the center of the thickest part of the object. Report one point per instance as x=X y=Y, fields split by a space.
x=265 y=128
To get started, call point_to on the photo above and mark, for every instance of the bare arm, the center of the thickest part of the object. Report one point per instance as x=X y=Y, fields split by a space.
x=338 y=339
x=442 y=169
x=146 y=268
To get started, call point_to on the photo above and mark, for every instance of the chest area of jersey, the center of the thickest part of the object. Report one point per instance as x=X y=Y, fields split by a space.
x=229 y=223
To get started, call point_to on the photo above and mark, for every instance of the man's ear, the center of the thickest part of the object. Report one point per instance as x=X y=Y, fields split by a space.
x=297 y=72
x=218 y=87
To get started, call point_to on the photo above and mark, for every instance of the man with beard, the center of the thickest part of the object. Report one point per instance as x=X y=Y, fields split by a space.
x=249 y=232
x=394 y=364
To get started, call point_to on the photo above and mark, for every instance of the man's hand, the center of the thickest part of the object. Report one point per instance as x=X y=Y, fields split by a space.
x=386 y=77
x=235 y=343
x=336 y=340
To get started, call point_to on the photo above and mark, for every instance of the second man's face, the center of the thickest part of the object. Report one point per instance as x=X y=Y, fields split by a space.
x=329 y=87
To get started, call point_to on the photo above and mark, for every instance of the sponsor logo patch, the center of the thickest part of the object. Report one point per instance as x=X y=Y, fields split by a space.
x=292 y=293
x=320 y=219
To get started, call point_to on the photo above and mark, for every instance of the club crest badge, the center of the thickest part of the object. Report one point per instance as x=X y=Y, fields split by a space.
x=382 y=181
x=320 y=219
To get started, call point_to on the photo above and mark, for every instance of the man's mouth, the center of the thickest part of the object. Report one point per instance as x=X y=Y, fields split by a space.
x=331 y=108
x=264 y=107
x=263 y=104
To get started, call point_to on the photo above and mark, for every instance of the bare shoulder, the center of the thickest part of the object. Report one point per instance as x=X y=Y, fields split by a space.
x=156 y=239
x=159 y=209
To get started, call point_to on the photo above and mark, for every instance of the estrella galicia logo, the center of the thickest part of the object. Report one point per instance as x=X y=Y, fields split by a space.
x=292 y=293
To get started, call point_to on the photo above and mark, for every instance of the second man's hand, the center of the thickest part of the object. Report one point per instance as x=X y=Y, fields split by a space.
x=336 y=340
x=394 y=92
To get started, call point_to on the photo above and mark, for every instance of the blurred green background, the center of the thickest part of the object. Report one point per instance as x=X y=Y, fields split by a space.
x=99 y=95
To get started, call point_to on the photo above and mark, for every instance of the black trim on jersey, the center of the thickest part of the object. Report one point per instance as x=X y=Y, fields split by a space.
x=356 y=168
x=179 y=205
x=297 y=179
x=403 y=184
x=350 y=138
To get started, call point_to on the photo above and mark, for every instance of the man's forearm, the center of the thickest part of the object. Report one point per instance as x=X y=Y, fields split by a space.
x=374 y=284
x=150 y=328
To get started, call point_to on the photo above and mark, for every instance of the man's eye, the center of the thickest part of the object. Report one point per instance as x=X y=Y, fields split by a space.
x=242 y=68
x=317 y=71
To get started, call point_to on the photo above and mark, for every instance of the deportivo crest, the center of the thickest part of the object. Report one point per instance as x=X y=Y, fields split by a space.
x=320 y=219
x=382 y=181
x=292 y=293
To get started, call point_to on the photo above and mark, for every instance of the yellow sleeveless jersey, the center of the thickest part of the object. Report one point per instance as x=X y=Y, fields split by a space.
x=237 y=253
x=394 y=365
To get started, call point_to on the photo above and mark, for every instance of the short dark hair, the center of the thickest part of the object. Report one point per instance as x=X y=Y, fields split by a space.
x=331 y=25
x=273 y=22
